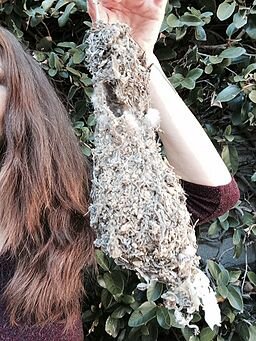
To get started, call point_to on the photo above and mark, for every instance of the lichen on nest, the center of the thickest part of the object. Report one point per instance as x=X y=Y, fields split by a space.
x=138 y=205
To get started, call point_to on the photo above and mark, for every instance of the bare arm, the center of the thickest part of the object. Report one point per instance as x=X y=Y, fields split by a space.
x=188 y=148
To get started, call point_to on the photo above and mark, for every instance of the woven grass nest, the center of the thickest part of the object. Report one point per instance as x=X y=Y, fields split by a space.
x=138 y=204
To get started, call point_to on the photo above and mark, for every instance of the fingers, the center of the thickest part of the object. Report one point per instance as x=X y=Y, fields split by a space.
x=91 y=9
x=160 y=3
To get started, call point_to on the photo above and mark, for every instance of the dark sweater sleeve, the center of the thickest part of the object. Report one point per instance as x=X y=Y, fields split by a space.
x=206 y=203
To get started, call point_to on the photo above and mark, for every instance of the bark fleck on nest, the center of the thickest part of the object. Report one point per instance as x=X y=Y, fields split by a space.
x=138 y=204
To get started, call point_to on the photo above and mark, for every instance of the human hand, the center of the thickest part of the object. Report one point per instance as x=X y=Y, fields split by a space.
x=143 y=16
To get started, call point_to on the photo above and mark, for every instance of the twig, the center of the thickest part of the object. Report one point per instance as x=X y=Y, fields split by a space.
x=47 y=29
x=214 y=47
x=215 y=34
x=246 y=268
x=224 y=252
x=242 y=178
x=231 y=335
x=240 y=35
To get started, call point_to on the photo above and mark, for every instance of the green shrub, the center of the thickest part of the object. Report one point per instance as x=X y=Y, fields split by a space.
x=208 y=51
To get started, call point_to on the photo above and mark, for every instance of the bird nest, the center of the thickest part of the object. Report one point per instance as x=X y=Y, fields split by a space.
x=138 y=205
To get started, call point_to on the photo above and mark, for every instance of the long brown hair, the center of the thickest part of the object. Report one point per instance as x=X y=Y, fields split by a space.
x=44 y=192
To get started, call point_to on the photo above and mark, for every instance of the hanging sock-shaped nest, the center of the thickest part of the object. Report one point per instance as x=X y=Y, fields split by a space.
x=138 y=204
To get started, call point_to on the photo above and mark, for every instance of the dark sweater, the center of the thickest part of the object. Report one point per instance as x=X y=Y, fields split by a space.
x=204 y=203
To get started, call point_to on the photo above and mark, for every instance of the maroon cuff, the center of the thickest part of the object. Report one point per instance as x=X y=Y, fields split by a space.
x=209 y=202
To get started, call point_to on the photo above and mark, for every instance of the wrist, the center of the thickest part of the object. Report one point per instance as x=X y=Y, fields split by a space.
x=150 y=58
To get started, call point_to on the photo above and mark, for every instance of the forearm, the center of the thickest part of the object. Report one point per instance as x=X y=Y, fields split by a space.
x=188 y=148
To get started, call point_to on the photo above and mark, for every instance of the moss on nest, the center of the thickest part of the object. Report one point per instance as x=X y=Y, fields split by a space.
x=138 y=204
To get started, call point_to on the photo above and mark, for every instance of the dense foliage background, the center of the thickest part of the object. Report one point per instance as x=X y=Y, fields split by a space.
x=208 y=51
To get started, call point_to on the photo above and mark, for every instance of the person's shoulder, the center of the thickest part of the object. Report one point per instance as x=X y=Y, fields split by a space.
x=209 y=202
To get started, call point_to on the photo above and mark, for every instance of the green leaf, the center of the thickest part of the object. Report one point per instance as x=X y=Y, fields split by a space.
x=213 y=268
x=78 y=57
x=61 y=3
x=215 y=59
x=154 y=291
x=235 y=298
x=89 y=91
x=86 y=150
x=223 y=277
x=72 y=91
x=222 y=290
x=232 y=52
x=187 y=333
x=254 y=229
x=173 y=21
x=191 y=20
x=252 y=96
x=250 y=68
x=227 y=311
x=165 y=54
x=195 y=73
x=81 y=5
x=101 y=281
x=73 y=71
x=40 y=56
x=225 y=10
x=237 y=236
x=112 y=326
x=144 y=313
x=224 y=225
x=207 y=334
x=252 y=333
x=200 y=33
x=127 y=299
x=91 y=121
x=253 y=177
x=176 y=79
x=225 y=216
x=231 y=29
x=242 y=330
x=234 y=275
x=63 y=19
x=251 y=27
x=52 y=60
x=247 y=218
x=164 y=318
x=121 y=311
x=238 y=249
x=47 y=4
x=67 y=44
x=52 y=72
x=107 y=299
x=230 y=157
x=252 y=277
x=114 y=282
x=208 y=69
x=214 y=229
x=181 y=32
x=188 y=83
x=196 y=317
x=229 y=93
x=152 y=329
x=102 y=260
x=240 y=19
